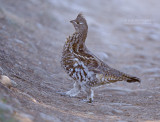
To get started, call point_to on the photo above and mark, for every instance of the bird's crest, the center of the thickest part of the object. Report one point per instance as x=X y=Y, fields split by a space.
x=81 y=17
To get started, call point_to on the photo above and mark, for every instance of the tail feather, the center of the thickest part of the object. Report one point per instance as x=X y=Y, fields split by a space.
x=133 y=79
x=120 y=76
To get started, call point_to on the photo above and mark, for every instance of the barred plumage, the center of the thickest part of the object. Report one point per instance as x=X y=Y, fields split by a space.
x=85 y=68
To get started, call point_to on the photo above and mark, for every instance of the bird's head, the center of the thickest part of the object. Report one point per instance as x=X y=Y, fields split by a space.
x=80 y=24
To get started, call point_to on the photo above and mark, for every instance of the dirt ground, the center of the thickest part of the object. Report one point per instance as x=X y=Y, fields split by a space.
x=124 y=34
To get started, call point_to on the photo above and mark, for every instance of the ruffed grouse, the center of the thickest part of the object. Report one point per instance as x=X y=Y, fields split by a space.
x=85 y=68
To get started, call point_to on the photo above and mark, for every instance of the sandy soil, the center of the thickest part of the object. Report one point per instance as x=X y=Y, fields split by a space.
x=124 y=34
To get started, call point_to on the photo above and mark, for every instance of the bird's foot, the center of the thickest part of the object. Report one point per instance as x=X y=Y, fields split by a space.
x=66 y=94
x=87 y=100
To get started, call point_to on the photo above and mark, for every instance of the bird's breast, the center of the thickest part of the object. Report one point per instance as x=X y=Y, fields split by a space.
x=76 y=69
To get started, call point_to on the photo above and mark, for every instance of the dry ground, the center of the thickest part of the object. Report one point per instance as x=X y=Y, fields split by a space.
x=124 y=34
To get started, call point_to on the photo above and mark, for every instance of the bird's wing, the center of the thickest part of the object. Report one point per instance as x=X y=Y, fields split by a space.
x=90 y=61
x=102 y=71
x=100 y=68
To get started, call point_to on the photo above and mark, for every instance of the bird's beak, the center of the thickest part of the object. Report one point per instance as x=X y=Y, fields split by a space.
x=73 y=21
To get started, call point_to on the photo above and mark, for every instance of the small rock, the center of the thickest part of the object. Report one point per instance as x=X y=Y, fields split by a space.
x=7 y=81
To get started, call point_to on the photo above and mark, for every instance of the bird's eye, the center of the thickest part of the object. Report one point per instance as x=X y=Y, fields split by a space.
x=79 y=23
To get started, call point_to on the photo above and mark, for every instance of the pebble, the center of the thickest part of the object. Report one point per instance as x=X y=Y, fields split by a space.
x=7 y=81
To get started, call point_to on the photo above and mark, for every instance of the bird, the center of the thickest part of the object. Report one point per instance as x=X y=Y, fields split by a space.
x=87 y=70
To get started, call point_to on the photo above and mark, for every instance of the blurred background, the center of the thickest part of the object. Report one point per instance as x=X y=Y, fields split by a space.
x=124 y=34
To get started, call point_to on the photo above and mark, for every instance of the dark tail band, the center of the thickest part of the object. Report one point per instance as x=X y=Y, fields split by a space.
x=133 y=79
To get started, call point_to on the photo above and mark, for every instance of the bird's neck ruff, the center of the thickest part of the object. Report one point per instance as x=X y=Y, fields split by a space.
x=82 y=35
x=76 y=42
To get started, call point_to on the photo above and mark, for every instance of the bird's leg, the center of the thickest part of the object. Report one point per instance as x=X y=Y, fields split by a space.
x=74 y=91
x=90 y=94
